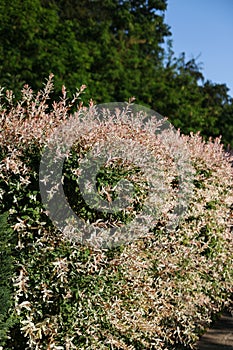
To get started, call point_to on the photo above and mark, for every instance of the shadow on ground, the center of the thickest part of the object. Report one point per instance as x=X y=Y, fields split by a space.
x=220 y=337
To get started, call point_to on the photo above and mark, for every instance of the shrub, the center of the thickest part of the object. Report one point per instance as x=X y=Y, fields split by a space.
x=7 y=243
x=157 y=291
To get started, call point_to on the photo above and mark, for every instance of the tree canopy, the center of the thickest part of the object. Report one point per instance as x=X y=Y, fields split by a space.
x=116 y=48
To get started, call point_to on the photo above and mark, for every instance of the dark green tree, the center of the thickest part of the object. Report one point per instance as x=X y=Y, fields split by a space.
x=191 y=103
x=114 y=47
x=225 y=125
x=34 y=43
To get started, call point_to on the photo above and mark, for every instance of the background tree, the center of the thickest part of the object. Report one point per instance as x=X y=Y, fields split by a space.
x=116 y=48
x=34 y=43
x=191 y=103
x=109 y=46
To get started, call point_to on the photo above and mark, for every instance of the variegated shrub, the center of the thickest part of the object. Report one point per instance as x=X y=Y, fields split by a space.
x=157 y=291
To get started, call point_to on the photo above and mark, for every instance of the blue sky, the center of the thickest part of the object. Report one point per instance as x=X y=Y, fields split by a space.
x=203 y=29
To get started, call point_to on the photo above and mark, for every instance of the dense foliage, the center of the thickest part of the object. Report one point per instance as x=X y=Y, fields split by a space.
x=117 y=49
x=159 y=290
x=6 y=274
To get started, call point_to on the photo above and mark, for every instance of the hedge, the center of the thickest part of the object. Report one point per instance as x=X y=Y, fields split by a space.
x=157 y=290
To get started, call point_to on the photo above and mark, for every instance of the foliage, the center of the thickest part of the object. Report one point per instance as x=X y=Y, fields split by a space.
x=36 y=45
x=116 y=49
x=7 y=244
x=84 y=43
x=191 y=103
x=159 y=290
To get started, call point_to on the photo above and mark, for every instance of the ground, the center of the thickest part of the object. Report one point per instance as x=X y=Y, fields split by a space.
x=220 y=337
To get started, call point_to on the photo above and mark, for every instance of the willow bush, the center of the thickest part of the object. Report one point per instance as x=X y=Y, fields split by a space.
x=7 y=242
x=157 y=291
